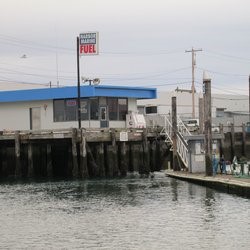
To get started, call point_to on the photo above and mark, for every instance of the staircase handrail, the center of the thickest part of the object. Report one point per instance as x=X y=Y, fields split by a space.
x=182 y=146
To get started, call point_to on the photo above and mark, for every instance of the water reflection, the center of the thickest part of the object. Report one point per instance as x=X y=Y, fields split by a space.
x=209 y=202
x=129 y=213
x=174 y=189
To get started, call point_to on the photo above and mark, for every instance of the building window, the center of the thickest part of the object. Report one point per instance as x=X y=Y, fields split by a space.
x=113 y=109
x=59 y=114
x=151 y=110
x=122 y=108
x=117 y=109
x=84 y=109
x=65 y=110
x=94 y=109
x=71 y=109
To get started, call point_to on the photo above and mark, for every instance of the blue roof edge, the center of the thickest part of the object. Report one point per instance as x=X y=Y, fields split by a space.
x=71 y=92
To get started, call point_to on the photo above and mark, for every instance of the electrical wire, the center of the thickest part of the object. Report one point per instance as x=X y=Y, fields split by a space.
x=224 y=90
x=221 y=73
x=228 y=56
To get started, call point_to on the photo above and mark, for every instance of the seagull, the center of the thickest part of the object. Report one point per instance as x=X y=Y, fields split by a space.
x=23 y=56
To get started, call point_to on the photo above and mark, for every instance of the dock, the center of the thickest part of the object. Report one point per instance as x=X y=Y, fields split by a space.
x=81 y=153
x=231 y=184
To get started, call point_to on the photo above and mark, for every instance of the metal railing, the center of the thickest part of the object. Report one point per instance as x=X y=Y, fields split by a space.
x=165 y=122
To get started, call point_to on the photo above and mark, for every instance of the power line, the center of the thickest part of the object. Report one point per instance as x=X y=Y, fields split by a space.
x=222 y=73
x=224 y=90
x=20 y=42
x=229 y=56
x=231 y=99
x=15 y=72
x=21 y=82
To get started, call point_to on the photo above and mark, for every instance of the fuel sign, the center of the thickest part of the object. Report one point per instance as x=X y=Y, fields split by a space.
x=89 y=43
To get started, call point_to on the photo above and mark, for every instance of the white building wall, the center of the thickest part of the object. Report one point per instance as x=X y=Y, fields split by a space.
x=132 y=105
x=16 y=116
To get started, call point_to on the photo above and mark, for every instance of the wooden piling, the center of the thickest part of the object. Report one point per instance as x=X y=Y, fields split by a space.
x=75 y=171
x=201 y=116
x=70 y=162
x=91 y=161
x=18 y=170
x=123 y=159
x=30 y=173
x=140 y=159
x=244 y=148
x=207 y=124
x=227 y=148
x=164 y=155
x=232 y=140
x=134 y=157
x=146 y=153
x=247 y=145
x=222 y=144
x=4 y=162
x=100 y=160
x=153 y=156
x=114 y=158
x=1 y=160
x=176 y=166
x=49 y=161
x=84 y=173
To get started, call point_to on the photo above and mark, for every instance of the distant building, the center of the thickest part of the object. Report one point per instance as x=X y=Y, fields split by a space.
x=225 y=108
x=56 y=108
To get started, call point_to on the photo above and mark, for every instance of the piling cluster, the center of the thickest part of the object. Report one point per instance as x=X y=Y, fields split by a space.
x=235 y=144
x=79 y=154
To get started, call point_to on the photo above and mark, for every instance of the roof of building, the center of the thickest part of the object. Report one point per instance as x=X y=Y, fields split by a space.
x=71 y=92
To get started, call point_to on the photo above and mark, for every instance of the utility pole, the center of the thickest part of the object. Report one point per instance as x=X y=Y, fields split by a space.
x=193 y=88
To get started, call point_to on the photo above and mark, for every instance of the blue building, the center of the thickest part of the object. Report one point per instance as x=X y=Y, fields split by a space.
x=57 y=108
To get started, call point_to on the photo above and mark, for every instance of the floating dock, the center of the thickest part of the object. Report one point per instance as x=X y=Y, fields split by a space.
x=232 y=184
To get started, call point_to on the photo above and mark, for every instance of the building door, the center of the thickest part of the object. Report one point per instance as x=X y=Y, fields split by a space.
x=35 y=118
x=103 y=117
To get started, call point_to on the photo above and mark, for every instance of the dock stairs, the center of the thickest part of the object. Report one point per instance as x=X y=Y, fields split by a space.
x=164 y=121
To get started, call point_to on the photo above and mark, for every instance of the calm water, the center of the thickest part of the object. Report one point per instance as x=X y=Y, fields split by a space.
x=131 y=213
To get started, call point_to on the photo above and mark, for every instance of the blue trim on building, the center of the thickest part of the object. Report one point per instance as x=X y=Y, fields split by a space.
x=71 y=92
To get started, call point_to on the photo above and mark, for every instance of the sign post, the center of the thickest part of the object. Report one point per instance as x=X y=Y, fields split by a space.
x=78 y=85
x=87 y=44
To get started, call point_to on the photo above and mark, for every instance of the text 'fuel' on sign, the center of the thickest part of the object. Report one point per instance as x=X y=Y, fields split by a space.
x=88 y=43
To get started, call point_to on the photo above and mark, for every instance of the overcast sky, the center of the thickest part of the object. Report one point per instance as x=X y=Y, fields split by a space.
x=142 y=43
